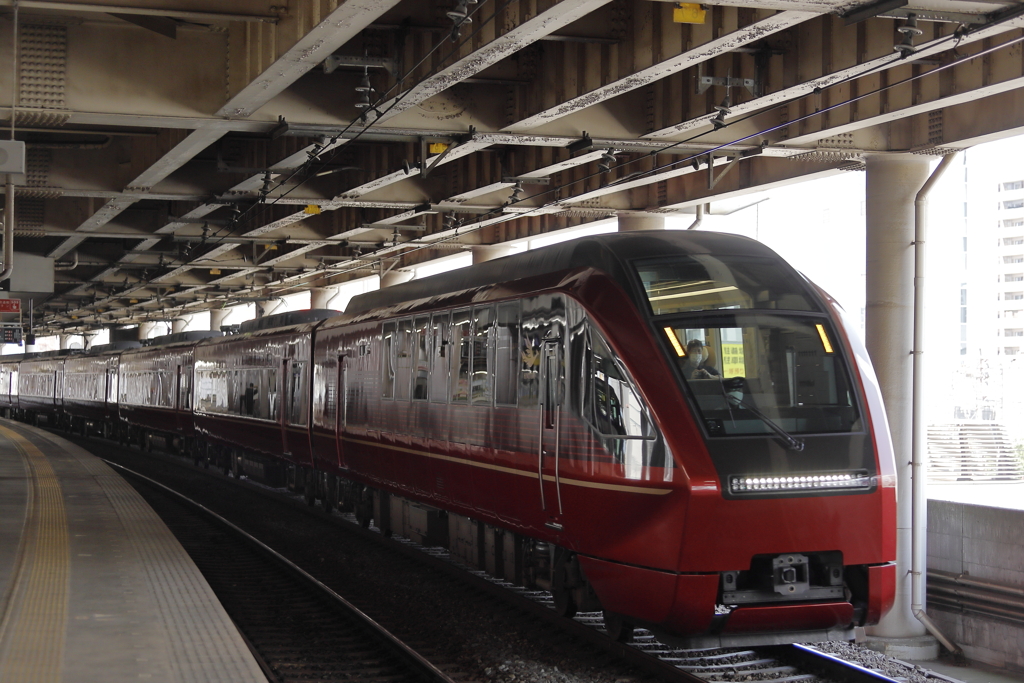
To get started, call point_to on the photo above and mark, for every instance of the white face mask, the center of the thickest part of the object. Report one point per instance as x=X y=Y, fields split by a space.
x=697 y=357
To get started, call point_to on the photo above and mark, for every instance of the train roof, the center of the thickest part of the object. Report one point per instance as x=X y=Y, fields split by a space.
x=179 y=337
x=115 y=346
x=289 y=319
x=611 y=254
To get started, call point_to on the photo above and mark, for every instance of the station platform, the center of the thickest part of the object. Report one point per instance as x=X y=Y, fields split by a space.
x=93 y=585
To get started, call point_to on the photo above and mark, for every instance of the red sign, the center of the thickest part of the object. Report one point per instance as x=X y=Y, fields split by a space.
x=10 y=305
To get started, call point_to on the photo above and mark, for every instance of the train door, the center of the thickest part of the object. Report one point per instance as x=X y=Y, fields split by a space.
x=552 y=397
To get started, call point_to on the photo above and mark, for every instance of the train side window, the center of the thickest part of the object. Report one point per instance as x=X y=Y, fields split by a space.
x=461 y=344
x=271 y=407
x=403 y=355
x=440 y=349
x=421 y=359
x=297 y=394
x=387 y=361
x=483 y=356
x=506 y=354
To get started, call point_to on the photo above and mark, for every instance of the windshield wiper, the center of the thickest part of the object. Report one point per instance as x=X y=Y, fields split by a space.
x=793 y=443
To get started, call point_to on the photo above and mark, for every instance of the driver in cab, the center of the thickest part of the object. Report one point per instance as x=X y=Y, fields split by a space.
x=695 y=365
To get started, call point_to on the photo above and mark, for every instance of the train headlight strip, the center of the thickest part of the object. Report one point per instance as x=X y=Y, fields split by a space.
x=801 y=482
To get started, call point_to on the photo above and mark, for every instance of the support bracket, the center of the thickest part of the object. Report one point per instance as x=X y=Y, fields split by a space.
x=712 y=178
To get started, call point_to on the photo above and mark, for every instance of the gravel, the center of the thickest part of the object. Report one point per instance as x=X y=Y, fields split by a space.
x=887 y=666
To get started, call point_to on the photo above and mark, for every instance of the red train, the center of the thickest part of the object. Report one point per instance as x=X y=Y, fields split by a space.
x=672 y=427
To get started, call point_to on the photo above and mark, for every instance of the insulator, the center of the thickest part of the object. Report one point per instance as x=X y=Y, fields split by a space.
x=364 y=101
x=723 y=108
x=364 y=83
x=906 y=46
x=517 y=194
x=460 y=14
x=606 y=161
x=910 y=26
x=719 y=121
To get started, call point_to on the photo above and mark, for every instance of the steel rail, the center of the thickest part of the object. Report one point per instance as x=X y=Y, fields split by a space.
x=412 y=657
x=668 y=667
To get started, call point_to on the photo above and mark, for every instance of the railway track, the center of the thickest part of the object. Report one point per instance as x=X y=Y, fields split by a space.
x=646 y=656
x=298 y=628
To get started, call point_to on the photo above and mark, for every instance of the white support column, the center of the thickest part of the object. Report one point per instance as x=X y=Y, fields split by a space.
x=146 y=330
x=489 y=252
x=265 y=308
x=634 y=222
x=395 y=277
x=320 y=297
x=179 y=325
x=892 y=185
x=217 y=318
x=65 y=341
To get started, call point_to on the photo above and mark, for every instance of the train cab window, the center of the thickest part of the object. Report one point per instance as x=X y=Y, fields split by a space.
x=297 y=393
x=387 y=360
x=482 y=382
x=440 y=349
x=771 y=371
x=506 y=354
x=421 y=360
x=403 y=355
x=461 y=351
x=703 y=282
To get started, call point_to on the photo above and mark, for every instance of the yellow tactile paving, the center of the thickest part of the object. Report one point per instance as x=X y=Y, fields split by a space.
x=34 y=619
x=100 y=589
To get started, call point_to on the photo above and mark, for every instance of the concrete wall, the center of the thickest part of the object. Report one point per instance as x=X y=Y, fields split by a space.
x=987 y=543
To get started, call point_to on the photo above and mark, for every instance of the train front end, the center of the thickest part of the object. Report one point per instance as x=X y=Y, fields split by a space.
x=789 y=531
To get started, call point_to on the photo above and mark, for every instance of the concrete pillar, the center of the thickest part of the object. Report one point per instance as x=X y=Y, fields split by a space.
x=217 y=318
x=265 y=308
x=320 y=297
x=395 y=277
x=179 y=325
x=489 y=252
x=892 y=185
x=643 y=221
x=65 y=341
x=146 y=330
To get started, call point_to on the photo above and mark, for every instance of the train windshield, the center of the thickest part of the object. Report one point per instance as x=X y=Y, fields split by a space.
x=761 y=373
x=702 y=282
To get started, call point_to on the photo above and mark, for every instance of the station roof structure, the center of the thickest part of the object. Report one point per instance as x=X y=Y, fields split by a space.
x=190 y=154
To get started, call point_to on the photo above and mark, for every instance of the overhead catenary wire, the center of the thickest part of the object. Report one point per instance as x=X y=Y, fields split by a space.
x=335 y=271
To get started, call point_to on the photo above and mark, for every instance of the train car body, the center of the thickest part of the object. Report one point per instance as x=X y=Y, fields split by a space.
x=252 y=390
x=9 y=384
x=155 y=389
x=550 y=397
x=90 y=395
x=41 y=385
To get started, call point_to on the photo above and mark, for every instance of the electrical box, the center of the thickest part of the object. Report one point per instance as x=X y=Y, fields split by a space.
x=12 y=160
x=32 y=274
x=688 y=13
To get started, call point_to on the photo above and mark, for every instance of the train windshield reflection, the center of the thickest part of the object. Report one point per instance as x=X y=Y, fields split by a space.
x=702 y=282
x=749 y=370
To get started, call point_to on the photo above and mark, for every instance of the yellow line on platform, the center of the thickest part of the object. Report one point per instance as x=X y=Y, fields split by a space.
x=34 y=622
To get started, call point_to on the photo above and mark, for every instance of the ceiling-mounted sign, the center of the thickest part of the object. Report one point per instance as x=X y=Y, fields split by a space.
x=10 y=334
x=10 y=305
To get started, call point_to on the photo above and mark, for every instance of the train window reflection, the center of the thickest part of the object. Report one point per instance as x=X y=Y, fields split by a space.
x=440 y=348
x=772 y=364
x=403 y=355
x=506 y=354
x=483 y=356
x=297 y=399
x=387 y=357
x=460 y=356
x=703 y=282
x=421 y=362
